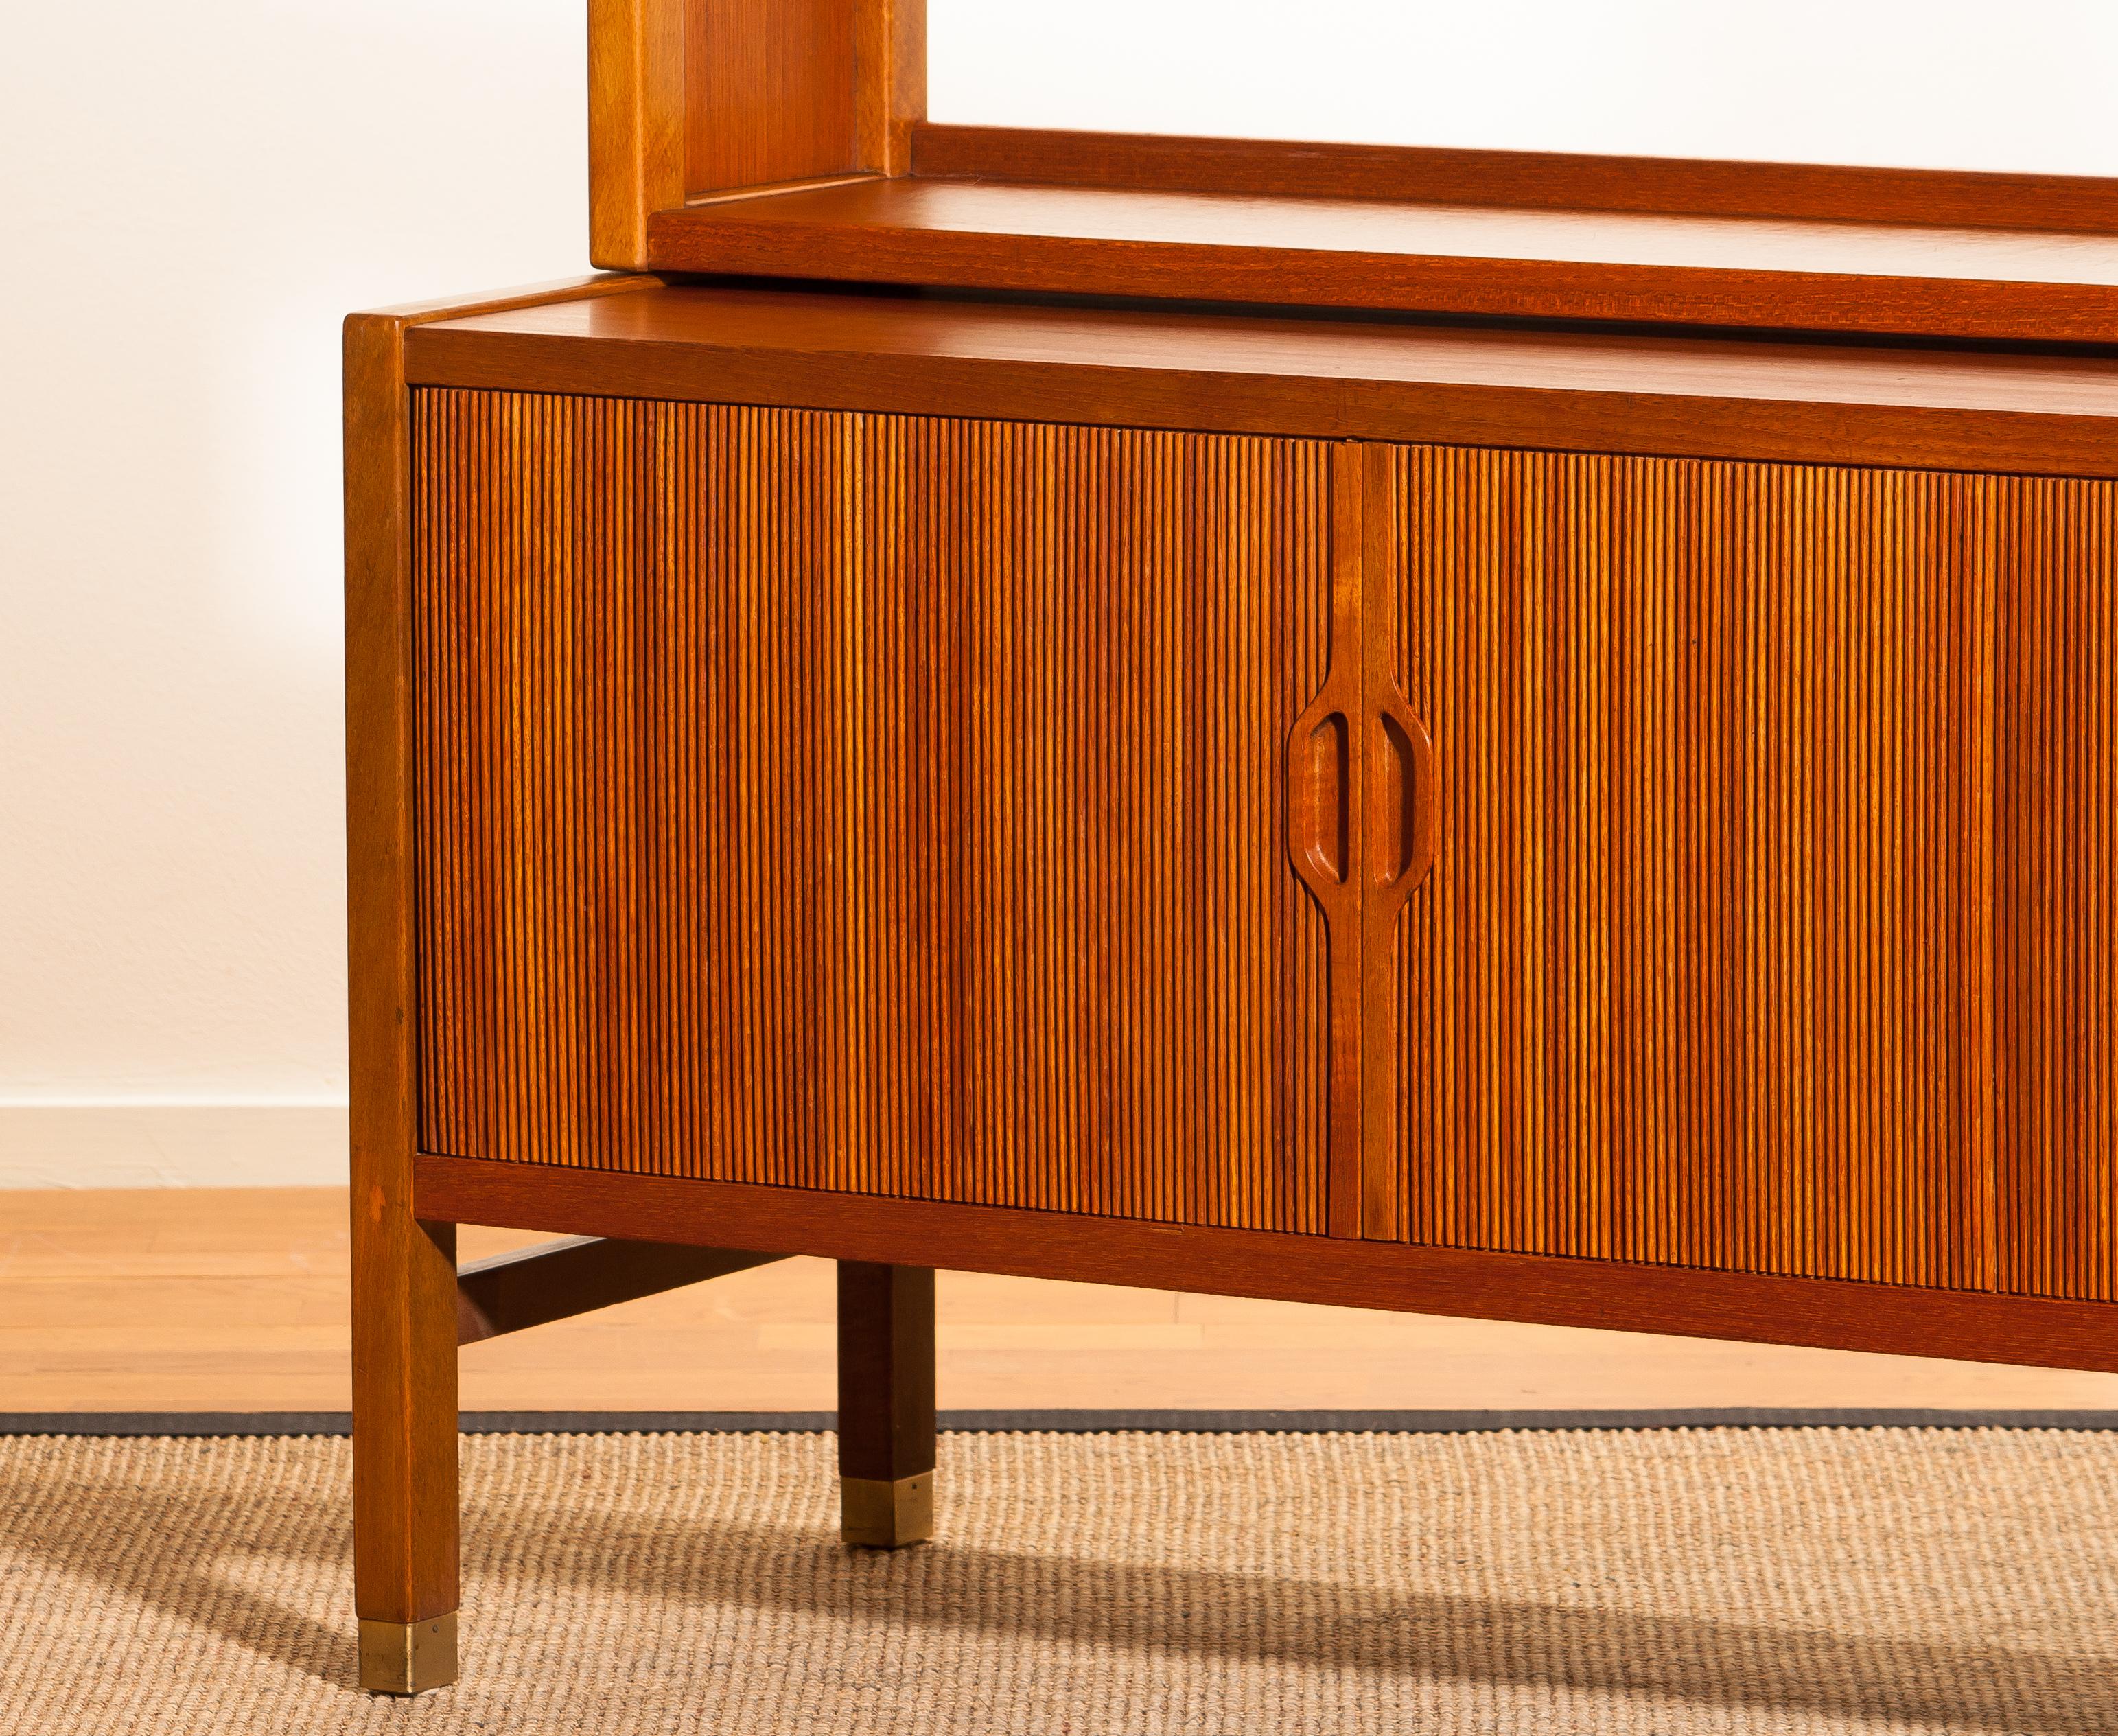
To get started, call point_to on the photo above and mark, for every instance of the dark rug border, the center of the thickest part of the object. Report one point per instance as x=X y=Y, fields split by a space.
x=228 y=1423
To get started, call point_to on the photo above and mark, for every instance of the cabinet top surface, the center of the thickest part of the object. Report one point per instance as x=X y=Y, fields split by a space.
x=677 y=323
x=1332 y=376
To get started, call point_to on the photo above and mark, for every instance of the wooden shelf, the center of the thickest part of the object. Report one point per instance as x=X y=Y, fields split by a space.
x=1335 y=376
x=1536 y=180
x=1872 y=279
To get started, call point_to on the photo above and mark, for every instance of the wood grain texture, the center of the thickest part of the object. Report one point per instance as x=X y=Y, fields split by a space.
x=1870 y=279
x=1471 y=1283
x=794 y=90
x=1773 y=926
x=1329 y=378
x=1533 y=179
x=768 y=91
x=886 y=805
x=637 y=123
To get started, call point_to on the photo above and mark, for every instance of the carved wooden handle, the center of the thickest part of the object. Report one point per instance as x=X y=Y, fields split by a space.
x=1323 y=787
x=1401 y=799
x=1320 y=797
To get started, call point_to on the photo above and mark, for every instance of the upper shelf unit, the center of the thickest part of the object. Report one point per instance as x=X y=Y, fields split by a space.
x=786 y=139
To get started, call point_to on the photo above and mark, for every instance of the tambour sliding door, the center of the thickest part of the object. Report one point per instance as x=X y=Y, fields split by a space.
x=1773 y=925
x=874 y=803
x=1685 y=862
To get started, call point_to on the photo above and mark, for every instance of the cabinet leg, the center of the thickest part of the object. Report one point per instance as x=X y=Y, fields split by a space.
x=404 y=1501
x=886 y=1404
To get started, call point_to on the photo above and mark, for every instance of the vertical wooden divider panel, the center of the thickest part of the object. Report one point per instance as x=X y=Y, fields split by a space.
x=637 y=133
x=1774 y=924
x=889 y=82
x=873 y=802
x=1398 y=770
x=1327 y=809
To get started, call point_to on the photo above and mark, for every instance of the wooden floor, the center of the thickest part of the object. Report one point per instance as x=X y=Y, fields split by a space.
x=181 y=1300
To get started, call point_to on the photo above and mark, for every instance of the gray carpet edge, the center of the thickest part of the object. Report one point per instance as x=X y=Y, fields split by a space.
x=213 y=1424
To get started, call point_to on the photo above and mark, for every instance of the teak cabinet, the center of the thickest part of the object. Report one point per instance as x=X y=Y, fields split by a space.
x=1541 y=820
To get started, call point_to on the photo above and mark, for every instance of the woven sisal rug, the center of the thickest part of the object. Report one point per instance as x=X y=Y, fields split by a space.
x=1653 y=1582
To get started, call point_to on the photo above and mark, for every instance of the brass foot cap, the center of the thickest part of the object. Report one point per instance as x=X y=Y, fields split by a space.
x=408 y=1657
x=876 y=1514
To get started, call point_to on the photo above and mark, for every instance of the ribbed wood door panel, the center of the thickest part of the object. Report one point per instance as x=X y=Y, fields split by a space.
x=1774 y=921
x=870 y=802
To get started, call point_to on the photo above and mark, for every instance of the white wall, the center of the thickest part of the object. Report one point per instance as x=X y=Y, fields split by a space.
x=2028 y=85
x=193 y=197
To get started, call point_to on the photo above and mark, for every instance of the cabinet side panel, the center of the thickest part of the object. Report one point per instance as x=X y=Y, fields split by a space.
x=872 y=803
x=1771 y=926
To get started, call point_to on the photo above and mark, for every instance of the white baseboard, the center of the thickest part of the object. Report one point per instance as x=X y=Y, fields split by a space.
x=172 y=1145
